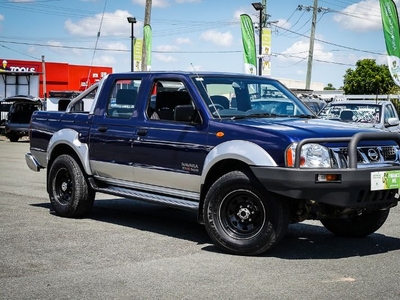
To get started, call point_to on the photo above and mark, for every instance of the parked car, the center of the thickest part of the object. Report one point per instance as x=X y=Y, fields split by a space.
x=315 y=104
x=19 y=115
x=364 y=113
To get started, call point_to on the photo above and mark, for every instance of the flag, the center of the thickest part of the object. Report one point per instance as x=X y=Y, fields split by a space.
x=138 y=54
x=148 y=41
x=390 y=24
x=249 y=44
x=266 y=51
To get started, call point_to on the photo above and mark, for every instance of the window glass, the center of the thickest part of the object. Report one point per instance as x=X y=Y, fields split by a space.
x=166 y=96
x=241 y=96
x=123 y=98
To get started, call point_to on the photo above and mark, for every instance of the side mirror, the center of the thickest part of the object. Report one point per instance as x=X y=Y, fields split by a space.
x=393 y=121
x=184 y=113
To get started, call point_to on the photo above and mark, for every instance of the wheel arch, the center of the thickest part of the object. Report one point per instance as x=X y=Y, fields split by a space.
x=227 y=157
x=66 y=141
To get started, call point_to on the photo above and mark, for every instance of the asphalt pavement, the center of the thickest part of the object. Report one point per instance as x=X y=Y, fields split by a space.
x=132 y=250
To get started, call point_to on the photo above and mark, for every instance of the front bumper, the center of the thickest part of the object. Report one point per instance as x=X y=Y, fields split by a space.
x=352 y=190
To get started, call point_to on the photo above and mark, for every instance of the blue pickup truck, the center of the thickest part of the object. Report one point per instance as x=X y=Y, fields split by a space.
x=241 y=150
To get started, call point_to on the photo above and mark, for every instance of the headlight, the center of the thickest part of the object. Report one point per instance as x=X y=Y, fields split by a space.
x=311 y=156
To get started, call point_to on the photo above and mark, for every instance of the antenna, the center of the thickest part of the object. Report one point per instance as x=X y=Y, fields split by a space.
x=202 y=83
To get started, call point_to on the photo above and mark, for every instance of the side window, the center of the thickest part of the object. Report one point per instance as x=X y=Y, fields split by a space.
x=389 y=113
x=122 y=100
x=166 y=96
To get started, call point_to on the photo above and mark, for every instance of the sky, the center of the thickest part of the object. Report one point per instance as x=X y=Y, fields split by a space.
x=201 y=35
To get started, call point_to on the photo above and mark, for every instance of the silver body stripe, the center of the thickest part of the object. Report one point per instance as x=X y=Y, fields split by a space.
x=181 y=181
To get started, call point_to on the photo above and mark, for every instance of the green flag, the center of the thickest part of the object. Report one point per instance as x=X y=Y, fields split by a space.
x=148 y=40
x=249 y=44
x=390 y=24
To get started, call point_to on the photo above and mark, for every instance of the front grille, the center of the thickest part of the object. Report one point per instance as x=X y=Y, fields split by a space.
x=377 y=197
x=366 y=155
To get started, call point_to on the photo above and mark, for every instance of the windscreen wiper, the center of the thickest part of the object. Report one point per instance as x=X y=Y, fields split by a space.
x=304 y=116
x=257 y=115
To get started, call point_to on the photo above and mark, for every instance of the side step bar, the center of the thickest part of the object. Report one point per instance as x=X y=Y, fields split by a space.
x=144 y=196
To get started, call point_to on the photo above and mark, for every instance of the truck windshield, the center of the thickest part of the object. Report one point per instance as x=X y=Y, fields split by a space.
x=248 y=96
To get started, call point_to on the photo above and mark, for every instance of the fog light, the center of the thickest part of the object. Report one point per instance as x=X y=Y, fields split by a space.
x=328 y=178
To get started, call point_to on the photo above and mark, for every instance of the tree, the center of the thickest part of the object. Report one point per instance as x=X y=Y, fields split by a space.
x=368 y=79
x=329 y=87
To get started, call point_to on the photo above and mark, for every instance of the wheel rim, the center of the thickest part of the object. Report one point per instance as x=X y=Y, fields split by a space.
x=63 y=186
x=242 y=214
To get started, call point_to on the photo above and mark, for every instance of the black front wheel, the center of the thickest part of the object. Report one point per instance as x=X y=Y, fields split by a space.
x=243 y=218
x=69 y=192
x=359 y=225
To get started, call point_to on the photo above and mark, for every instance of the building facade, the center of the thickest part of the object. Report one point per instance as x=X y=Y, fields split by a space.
x=59 y=76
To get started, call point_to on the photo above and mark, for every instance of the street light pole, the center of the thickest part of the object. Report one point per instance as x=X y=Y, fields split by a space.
x=259 y=7
x=132 y=21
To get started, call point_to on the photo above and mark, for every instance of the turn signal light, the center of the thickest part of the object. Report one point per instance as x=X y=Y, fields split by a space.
x=220 y=134
x=329 y=178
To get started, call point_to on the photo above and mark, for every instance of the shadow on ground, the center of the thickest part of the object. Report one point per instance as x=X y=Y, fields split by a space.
x=302 y=241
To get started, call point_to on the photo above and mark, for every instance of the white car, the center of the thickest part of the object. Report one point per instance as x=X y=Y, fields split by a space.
x=365 y=113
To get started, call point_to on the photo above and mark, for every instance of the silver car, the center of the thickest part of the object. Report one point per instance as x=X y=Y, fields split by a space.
x=364 y=113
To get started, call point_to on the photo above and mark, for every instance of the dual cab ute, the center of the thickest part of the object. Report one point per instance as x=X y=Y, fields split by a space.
x=241 y=150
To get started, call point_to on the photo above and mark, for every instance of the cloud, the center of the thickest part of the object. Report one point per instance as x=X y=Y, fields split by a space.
x=361 y=16
x=217 y=38
x=187 y=1
x=113 y=24
x=104 y=60
x=58 y=47
x=164 y=58
x=283 y=24
x=32 y=50
x=167 y=48
x=1 y=18
x=183 y=41
x=155 y=3
x=299 y=50
x=115 y=46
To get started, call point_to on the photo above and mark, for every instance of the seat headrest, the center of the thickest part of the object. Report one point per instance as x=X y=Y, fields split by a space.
x=171 y=99
x=126 y=96
x=346 y=115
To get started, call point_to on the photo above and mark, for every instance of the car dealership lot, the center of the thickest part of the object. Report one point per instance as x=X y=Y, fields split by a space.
x=133 y=250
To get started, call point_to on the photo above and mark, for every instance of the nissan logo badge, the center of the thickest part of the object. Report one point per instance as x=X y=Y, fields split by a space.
x=373 y=155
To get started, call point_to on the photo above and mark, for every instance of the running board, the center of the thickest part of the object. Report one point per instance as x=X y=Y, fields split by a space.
x=144 y=196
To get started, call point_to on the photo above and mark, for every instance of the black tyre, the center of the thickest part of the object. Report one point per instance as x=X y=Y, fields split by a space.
x=13 y=138
x=243 y=218
x=357 y=226
x=70 y=194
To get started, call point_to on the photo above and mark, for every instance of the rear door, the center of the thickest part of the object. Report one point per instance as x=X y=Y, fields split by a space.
x=112 y=130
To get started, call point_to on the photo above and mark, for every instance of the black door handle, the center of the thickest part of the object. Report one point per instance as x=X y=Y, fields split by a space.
x=102 y=128
x=141 y=132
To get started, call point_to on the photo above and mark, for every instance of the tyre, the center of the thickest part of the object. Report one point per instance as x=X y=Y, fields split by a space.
x=241 y=217
x=357 y=226
x=13 y=138
x=69 y=192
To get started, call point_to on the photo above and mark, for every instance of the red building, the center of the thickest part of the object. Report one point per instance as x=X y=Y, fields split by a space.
x=60 y=76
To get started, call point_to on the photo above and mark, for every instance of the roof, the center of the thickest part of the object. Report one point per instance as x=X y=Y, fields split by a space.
x=194 y=73
x=21 y=98
x=360 y=102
